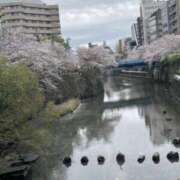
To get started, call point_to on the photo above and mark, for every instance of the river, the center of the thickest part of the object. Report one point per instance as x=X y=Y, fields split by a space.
x=129 y=119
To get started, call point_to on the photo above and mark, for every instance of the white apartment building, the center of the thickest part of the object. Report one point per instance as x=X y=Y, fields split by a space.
x=30 y=16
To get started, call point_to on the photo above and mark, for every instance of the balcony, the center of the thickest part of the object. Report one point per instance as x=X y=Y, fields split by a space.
x=32 y=18
x=35 y=31
x=30 y=11
x=33 y=25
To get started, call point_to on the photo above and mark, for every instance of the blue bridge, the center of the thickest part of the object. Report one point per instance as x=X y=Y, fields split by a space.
x=136 y=68
x=132 y=63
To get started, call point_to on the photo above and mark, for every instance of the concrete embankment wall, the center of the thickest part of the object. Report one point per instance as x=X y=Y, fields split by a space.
x=164 y=73
x=174 y=90
x=167 y=74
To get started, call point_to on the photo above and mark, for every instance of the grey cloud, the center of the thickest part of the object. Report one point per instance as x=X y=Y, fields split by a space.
x=108 y=32
x=109 y=28
x=77 y=4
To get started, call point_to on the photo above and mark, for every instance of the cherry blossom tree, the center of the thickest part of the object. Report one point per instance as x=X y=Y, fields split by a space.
x=96 y=55
x=158 y=49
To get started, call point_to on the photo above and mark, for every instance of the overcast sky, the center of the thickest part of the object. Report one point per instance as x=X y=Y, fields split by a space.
x=96 y=20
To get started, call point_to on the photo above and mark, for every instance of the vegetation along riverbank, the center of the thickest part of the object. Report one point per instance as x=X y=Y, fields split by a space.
x=42 y=81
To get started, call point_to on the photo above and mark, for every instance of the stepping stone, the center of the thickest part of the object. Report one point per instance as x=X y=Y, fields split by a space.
x=176 y=142
x=173 y=157
x=84 y=161
x=67 y=161
x=101 y=160
x=120 y=158
x=156 y=158
x=141 y=159
x=168 y=119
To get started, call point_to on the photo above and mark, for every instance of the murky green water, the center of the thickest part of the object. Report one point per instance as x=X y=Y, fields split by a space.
x=129 y=119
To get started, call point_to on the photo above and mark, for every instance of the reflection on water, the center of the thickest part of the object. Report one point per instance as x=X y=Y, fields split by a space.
x=130 y=120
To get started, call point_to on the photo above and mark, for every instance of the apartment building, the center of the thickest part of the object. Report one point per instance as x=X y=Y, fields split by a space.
x=174 y=16
x=158 y=24
x=155 y=27
x=157 y=18
x=148 y=7
x=30 y=16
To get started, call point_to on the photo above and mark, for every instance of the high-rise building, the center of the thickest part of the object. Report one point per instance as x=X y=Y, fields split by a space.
x=148 y=8
x=119 y=47
x=30 y=16
x=158 y=24
x=134 y=32
x=174 y=16
x=140 y=32
x=137 y=30
x=157 y=18
x=155 y=27
x=129 y=44
x=164 y=17
x=125 y=45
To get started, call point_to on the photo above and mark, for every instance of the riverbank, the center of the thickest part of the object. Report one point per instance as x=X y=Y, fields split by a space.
x=11 y=152
x=174 y=90
x=41 y=82
x=29 y=105
x=54 y=112
x=32 y=132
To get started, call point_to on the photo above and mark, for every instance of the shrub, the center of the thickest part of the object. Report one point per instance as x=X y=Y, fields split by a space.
x=20 y=96
x=172 y=59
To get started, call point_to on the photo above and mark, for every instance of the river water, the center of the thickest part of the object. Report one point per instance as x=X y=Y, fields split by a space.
x=129 y=119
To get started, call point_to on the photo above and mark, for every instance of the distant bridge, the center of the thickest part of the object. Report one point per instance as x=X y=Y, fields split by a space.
x=135 y=68
x=132 y=63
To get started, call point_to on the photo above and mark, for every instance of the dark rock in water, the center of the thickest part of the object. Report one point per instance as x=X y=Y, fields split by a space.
x=29 y=158
x=169 y=119
x=67 y=161
x=101 y=160
x=176 y=142
x=16 y=163
x=84 y=161
x=156 y=158
x=173 y=157
x=11 y=157
x=30 y=118
x=164 y=112
x=24 y=159
x=141 y=159
x=120 y=158
x=15 y=173
x=6 y=145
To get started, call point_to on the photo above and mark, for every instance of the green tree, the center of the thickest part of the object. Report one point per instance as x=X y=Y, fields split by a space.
x=19 y=91
x=67 y=44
